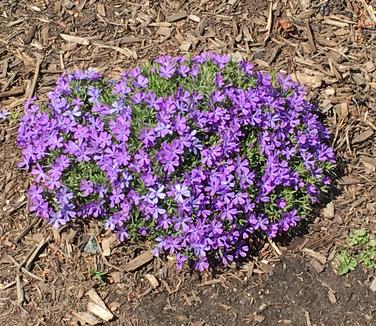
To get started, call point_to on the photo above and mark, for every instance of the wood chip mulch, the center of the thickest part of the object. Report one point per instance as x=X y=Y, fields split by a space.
x=330 y=46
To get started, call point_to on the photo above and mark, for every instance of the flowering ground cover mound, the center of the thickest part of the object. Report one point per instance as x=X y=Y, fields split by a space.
x=199 y=155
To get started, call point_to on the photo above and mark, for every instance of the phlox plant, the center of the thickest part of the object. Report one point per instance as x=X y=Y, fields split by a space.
x=198 y=155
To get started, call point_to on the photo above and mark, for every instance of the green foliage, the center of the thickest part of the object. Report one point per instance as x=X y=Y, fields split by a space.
x=235 y=76
x=360 y=248
x=13 y=117
x=346 y=263
x=358 y=237
x=83 y=170
x=99 y=276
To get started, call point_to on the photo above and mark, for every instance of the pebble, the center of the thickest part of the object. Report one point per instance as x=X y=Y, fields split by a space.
x=92 y=246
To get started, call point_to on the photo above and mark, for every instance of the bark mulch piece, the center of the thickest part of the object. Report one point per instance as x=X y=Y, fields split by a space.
x=328 y=45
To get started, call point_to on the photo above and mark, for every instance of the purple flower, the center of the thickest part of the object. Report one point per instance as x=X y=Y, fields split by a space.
x=281 y=203
x=116 y=197
x=122 y=234
x=141 y=82
x=155 y=195
x=202 y=265
x=199 y=156
x=94 y=94
x=181 y=191
x=64 y=196
x=148 y=137
x=180 y=260
x=167 y=71
x=221 y=60
x=86 y=187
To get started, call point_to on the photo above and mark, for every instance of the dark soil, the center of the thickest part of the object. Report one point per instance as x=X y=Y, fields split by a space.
x=328 y=45
x=295 y=294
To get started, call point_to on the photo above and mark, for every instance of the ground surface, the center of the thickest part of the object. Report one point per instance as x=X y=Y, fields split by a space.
x=328 y=45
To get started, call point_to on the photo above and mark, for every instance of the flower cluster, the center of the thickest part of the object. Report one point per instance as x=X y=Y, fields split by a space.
x=197 y=154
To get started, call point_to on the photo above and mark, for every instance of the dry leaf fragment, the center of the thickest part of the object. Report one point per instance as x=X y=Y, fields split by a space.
x=247 y=34
x=259 y=318
x=369 y=66
x=116 y=276
x=30 y=34
x=201 y=27
x=185 y=46
x=139 y=261
x=114 y=305
x=198 y=323
x=99 y=311
x=330 y=91
x=35 y=8
x=318 y=267
x=312 y=81
x=331 y=296
x=106 y=247
x=94 y=296
x=165 y=31
x=152 y=280
x=123 y=50
x=314 y=254
x=101 y=9
x=373 y=285
x=285 y=25
x=305 y=3
x=328 y=211
x=363 y=136
x=369 y=162
x=177 y=16
x=75 y=39
x=194 y=18
x=344 y=110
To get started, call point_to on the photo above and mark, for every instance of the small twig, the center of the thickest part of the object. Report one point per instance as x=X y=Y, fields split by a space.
x=310 y=36
x=17 y=264
x=143 y=294
x=32 y=275
x=20 y=291
x=16 y=208
x=274 y=246
x=3 y=74
x=35 y=222
x=307 y=318
x=8 y=286
x=9 y=81
x=16 y=103
x=35 y=78
x=210 y=282
x=269 y=23
x=22 y=264
x=36 y=252
x=24 y=270
x=13 y=92
x=167 y=287
x=177 y=287
x=369 y=10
